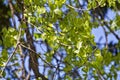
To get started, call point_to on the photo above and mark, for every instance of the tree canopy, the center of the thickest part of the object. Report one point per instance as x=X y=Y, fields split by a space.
x=52 y=39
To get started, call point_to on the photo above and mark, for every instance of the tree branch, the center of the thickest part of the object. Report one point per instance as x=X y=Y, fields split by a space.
x=106 y=35
x=9 y=58
x=117 y=37
x=12 y=12
x=37 y=55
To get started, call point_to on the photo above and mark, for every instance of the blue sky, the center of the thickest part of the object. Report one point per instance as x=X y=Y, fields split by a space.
x=99 y=32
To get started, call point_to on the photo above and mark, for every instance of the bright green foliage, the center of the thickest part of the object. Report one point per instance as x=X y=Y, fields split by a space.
x=73 y=34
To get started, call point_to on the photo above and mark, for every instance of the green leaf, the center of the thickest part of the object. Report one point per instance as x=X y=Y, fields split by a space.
x=118 y=20
x=41 y=10
x=37 y=36
x=4 y=55
x=67 y=68
x=68 y=78
x=59 y=3
x=58 y=12
x=79 y=45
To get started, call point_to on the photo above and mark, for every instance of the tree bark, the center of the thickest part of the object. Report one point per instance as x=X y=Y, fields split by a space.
x=33 y=61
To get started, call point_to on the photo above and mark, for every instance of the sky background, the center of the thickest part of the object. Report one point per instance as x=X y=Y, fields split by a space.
x=98 y=33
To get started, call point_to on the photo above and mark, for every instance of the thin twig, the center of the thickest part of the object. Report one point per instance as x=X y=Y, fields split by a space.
x=10 y=58
x=106 y=35
x=76 y=8
x=28 y=76
x=13 y=64
x=64 y=44
x=80 y=9
x=17 y=45
x=107 y=25
x=12 y=12
x=34 y=26
x=117 y=37
x=100 y=74
x=38 y=55
x=21 y=54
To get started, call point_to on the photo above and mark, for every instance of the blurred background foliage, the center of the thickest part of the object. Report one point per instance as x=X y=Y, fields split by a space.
x=53 y=40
